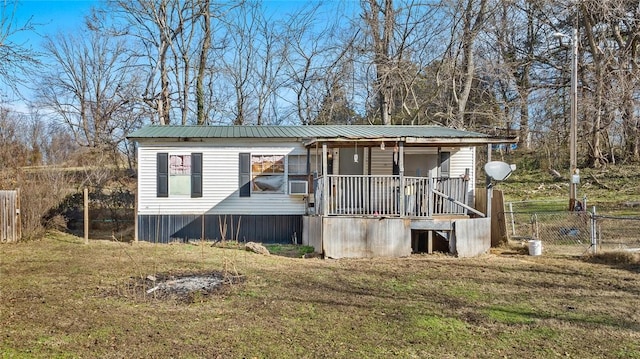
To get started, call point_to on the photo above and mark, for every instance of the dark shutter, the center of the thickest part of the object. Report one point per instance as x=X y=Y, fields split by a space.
x=395 y=163
x=445 y=164
x=162 y=184
x=244 y=175
x=196 y=175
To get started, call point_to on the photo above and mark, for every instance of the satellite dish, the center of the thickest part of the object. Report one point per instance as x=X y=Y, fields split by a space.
x=498 y=170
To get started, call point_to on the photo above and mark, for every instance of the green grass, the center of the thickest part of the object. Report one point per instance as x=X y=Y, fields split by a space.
x=511 y=314
x=289 y=250
x=610 y=189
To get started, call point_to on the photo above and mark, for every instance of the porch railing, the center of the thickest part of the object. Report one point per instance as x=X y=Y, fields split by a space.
x=387 y=196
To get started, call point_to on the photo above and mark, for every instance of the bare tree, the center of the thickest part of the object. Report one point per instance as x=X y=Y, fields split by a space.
x=202 y=61
x=155 y=24
x=91 y=89
x=610 y=75
x=17 y=59
x=472 y=18
x=381 y=23
x=253 y=66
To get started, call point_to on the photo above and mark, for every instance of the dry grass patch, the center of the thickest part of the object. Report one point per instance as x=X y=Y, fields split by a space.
x=61 y=298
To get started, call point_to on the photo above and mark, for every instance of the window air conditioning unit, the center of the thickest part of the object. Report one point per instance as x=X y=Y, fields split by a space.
x=298 y=188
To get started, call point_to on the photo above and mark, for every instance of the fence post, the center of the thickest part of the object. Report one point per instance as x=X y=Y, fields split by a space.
x=18 y=215
x=86 y=215
x=513 y=220
x=594 y=241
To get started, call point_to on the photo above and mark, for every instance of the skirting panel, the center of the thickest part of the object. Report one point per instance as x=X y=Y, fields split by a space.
x=244 y=228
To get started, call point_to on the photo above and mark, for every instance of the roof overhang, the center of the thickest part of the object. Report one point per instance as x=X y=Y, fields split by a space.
x=411 y=141
x=332 y=135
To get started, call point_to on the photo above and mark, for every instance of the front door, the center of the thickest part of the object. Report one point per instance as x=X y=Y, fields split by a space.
x=420 y=165
x=350 y=162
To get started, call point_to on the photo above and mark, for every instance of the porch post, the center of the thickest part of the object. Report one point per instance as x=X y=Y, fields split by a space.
x=430 y=195
x=310 y=180
x=401 y=173
x=325 y=181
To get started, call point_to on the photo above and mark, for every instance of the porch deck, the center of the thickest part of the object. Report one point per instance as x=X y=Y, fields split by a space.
x=391 y=196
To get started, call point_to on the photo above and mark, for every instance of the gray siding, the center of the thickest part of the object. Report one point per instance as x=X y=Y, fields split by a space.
x=462 y=159
x=245 y=228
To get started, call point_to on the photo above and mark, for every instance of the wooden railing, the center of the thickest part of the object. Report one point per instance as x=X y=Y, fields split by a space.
x=390 y=196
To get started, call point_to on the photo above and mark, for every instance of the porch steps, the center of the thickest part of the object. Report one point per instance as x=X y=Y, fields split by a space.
x=440 y=223
x=431 y=225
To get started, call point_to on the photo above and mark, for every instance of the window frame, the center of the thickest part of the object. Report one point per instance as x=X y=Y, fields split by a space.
x=278 y=168
x=164 y=174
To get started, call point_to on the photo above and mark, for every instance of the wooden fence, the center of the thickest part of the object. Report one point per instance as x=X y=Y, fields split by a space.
x=10 y=230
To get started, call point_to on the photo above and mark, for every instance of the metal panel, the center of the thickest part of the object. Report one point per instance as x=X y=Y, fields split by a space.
x=244 y=228
x=312 y=232
x=325 y=131
x=472 y=236
x=353 y=237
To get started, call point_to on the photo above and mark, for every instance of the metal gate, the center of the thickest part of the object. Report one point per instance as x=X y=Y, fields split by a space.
x=9 y=216
x=562 y=232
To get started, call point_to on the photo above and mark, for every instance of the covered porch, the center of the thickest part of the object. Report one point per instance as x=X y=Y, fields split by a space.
x=380 y=195
x=379 y=216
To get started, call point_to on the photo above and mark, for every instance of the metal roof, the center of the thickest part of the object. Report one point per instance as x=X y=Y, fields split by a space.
x=315 y=133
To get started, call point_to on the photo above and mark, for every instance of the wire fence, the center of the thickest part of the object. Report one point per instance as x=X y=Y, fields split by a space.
x=617 y=233
x=570 y=233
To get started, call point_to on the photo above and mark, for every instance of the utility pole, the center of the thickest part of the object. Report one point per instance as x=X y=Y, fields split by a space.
x=573 y=136
x=574 y=173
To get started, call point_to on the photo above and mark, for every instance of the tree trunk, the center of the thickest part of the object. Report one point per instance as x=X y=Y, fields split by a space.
x=472 y=21
x=382 y=62
x=202 y=63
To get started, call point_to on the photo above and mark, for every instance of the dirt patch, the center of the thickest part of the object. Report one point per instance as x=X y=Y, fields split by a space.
x=184 y=287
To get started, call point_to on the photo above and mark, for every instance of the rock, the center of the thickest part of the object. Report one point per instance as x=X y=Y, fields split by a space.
x=256 y=248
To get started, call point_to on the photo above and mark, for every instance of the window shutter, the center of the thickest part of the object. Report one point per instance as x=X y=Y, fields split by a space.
x=395 y=164
x=445 y=164
x=244 y=175
x=196 y=175
x=162 y=184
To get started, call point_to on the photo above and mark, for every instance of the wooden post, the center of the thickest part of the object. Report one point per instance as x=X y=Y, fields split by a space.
x=202 y=229
x=86 y=215
x=18 y=217
x=489 y=186
x=135 y=217
x=402 y=189
x=325 y=181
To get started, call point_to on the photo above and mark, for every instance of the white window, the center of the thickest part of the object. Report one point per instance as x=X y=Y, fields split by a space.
x=179 y=174
x=267 y=173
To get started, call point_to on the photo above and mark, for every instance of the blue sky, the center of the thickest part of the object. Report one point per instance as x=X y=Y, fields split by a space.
x=49 y=17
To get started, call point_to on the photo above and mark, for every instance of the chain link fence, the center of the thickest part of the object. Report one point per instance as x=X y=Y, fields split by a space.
x=570 y=233
x=617 y=233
